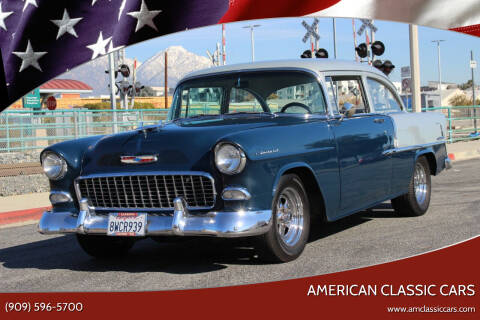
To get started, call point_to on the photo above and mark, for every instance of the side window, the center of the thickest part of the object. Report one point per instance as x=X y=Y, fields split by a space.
x=243 y=101
x=308 y=94
x=348 y=89
x=383 y=99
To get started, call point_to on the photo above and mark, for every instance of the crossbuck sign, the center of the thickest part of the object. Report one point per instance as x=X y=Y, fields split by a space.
x=366 y=23
x=311 y=30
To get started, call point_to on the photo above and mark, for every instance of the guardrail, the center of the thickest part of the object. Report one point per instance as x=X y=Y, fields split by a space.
x=22 y=130
x=461 y=121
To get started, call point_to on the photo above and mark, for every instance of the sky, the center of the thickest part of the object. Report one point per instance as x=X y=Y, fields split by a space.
x=282 y=39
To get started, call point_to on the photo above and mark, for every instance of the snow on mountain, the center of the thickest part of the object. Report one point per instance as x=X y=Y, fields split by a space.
x=149 y=73
x=180 y=62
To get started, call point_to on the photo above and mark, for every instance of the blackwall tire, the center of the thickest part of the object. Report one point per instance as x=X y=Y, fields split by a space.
x=290 y=229
x=100 y=246
x=416 y=202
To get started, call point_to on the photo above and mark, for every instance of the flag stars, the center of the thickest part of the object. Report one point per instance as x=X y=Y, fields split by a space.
x=145 y=17
x=3 y=16
x=66 y=25
x=99 y=48
x=32 y=2
x=29 y=57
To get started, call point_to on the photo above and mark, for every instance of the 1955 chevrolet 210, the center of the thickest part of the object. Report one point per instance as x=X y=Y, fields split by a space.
x=253 y=150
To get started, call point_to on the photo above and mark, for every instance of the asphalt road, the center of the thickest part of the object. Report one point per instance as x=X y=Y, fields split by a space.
x=33 y=262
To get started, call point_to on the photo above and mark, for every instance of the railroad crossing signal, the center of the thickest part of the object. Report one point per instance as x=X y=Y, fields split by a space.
x=366 y=23
x=311 y=30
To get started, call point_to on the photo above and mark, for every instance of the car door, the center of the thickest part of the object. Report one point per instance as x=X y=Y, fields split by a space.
x=365 y=171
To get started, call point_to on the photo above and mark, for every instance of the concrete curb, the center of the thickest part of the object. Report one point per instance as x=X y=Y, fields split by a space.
x=20 y=217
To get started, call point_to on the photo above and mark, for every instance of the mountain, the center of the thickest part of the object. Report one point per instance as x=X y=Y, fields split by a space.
x=149 y=73
x=180 y=62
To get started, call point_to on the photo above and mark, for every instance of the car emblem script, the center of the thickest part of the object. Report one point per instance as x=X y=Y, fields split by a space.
x=138 y=159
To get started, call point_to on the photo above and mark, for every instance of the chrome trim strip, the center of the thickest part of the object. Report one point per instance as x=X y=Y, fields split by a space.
x=146 y=173
x=418 y=146
x=66 y=194
x=245 y=192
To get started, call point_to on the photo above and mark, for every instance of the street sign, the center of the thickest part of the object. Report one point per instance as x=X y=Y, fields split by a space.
x=32 y=100
x=473 y=64
x=51 y=103
x=406 y=72
x=311 y=30
x=366 y=23
x=406 y=85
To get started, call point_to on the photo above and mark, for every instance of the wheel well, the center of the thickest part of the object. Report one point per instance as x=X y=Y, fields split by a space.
x=432 y=162
x=314 y=193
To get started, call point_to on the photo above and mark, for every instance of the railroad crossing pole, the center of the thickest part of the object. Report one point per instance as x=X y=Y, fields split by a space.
x=473 y=65
x=166 y=80
x=113 y=96
x=415 y=69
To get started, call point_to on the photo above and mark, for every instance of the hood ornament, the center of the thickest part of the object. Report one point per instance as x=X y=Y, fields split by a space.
x=138 y=159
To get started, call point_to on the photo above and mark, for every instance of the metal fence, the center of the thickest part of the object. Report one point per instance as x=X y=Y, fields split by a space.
x=461 y=121
x=22 y=130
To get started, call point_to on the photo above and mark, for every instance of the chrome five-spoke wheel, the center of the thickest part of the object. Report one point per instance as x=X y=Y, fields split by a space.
x=290 y=216
x=288 y=234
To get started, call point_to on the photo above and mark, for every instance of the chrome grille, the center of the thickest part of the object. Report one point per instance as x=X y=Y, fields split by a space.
x=147 y=191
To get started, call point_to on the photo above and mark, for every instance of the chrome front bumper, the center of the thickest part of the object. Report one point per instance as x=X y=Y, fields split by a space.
x=217 y=224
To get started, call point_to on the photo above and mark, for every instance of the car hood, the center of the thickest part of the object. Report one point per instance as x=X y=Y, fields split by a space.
x=179 y=146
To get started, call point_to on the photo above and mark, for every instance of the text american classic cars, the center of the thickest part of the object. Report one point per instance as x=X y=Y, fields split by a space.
x=255 y=150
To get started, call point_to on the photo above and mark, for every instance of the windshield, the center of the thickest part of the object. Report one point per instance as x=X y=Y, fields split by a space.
x=248 y=93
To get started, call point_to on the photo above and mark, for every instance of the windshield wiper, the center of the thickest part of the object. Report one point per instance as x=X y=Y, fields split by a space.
x=245 y=112
x=197 y=116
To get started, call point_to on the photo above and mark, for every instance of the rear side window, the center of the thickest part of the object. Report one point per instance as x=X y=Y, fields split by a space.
x=383 y=99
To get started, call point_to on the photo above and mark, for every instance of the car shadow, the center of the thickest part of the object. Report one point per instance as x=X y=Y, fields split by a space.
x=193 y=256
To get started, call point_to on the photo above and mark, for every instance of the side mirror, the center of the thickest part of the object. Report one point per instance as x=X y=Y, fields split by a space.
x=348 y=110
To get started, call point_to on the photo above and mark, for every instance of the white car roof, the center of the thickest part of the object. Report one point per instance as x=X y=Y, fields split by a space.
x=315 y=65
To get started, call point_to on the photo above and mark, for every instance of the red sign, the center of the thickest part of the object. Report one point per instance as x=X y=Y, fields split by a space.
x=51 y=103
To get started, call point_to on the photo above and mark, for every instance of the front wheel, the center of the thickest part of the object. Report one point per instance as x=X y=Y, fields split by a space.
x=288 y=234
x=415 y=203
x=104 y=246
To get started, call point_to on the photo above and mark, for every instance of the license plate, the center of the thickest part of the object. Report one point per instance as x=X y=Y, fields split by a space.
x=127 y=224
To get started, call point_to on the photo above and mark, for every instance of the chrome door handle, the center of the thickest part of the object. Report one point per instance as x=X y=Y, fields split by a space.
x=379 y=120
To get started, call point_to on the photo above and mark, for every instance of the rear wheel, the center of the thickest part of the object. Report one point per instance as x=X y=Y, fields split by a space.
x=105 y=246
x=289 y=232
x=417 y=200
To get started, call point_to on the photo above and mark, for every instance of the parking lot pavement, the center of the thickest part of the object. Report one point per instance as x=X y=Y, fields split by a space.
x=33 y=262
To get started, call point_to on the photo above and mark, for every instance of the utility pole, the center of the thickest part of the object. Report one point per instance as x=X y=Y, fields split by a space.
x=224 y=51
x=252 y=40
x=473 y=66
x=334 y=38
x=113 y=96
x=166 y=80
x=415 y=69
x=439 y=70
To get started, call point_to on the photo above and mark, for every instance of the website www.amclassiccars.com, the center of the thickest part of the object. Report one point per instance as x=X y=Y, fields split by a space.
x=431 y=309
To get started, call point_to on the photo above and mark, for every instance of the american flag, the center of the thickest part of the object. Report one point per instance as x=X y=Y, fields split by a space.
x=41 y=39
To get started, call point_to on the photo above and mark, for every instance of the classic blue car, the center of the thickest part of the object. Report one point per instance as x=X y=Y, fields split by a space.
x=254 y=150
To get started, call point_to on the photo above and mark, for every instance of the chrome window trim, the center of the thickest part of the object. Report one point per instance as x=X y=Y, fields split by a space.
x=414 y=147
x=146 y=173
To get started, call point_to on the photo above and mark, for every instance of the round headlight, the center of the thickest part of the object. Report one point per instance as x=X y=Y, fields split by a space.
x=229 y=159
x=54 y=166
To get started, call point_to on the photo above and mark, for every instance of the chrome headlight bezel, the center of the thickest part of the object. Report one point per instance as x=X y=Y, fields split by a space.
x=54 y=165
x=234 y=168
